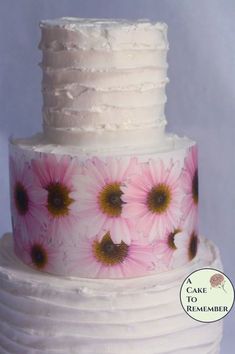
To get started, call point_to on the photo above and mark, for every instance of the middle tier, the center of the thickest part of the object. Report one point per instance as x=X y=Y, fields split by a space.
x=107 y=215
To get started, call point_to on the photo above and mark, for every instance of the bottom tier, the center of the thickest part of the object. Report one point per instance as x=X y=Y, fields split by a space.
x=44 y=314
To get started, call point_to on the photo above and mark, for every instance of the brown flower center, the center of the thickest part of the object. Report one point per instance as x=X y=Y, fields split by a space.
x=39 y=256
x=195 y=187
x=21 y=199
x=109 y=200
x=159 y=198
x=171 y=239
x=109 y=253
x=58 y=200
x=193 y=245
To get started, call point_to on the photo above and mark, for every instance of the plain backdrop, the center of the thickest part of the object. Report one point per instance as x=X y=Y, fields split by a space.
x=201 y=94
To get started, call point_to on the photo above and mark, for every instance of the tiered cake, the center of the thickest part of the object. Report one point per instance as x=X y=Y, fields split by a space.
x=105 y=201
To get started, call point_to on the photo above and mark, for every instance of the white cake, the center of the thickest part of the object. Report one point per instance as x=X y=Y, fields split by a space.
x=104 y=204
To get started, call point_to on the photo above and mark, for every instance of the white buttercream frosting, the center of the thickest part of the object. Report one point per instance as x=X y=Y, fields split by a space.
x=115 y=34
x=43 y=313
x=103 y=75
x=145 y=144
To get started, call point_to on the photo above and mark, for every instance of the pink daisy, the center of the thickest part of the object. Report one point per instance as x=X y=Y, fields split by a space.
x=153 y=198
x=165 y=248
x=39 y=252
x=100 y=196
x=54 y=177
x=27 y=200
x=190 y=187
x=186 y=249
x=103 y=258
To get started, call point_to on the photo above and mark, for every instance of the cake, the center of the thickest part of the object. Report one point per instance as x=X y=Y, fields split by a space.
x=104 y=204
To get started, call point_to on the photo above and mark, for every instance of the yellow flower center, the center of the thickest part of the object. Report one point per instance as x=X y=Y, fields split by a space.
x=109 y=253
x=159 y=198
x=58 y=200
x=109 y=200
x=39 y=256
x=21 y=199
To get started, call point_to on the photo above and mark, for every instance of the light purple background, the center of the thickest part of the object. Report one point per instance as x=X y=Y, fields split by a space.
x=201 y=94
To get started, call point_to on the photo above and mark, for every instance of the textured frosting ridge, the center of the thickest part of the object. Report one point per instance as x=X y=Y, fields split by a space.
x=103 y=76
x=85 y=316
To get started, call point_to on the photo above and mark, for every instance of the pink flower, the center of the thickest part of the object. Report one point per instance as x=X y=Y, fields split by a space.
x=100 y=197
x=27 y=200
x=190 y=188
x=54 y=177
x=186 y=249
x=153 y=198
x=166 y=250
x=216 y=280
x=103 y=258
x=39 y=252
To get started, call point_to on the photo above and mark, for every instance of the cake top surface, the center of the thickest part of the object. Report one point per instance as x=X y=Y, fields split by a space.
x=40 y=143
x=111 y=34
x=74 y=23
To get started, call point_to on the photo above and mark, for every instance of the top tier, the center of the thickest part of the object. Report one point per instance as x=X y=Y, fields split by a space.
x=104 y=81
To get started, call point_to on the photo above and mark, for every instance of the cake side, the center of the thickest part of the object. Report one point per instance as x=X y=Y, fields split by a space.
x=104 y=215
x=103 y=78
